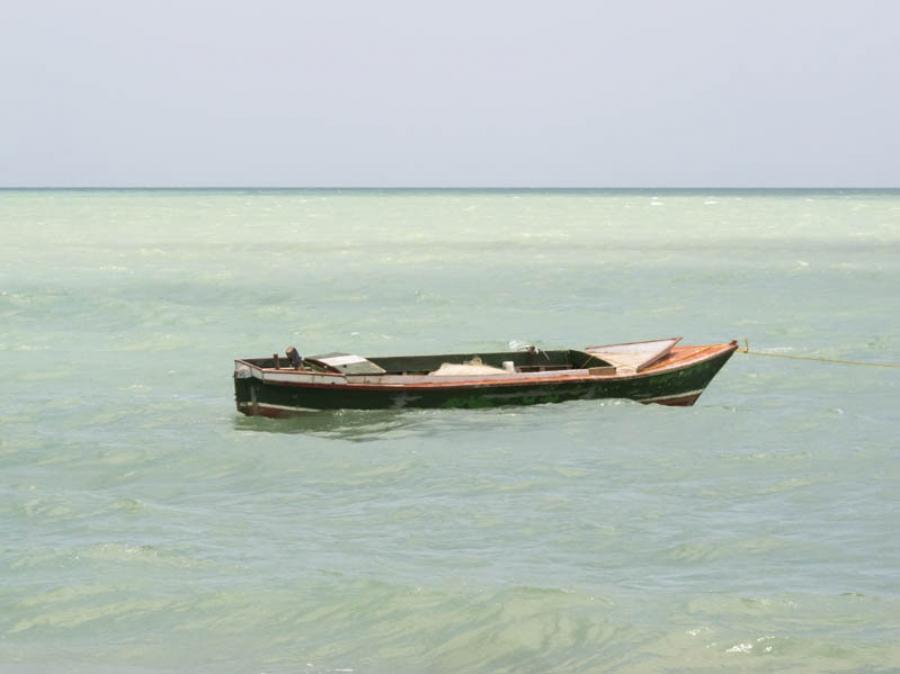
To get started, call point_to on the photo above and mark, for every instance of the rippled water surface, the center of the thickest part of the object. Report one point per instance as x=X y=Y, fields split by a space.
x=146 y=527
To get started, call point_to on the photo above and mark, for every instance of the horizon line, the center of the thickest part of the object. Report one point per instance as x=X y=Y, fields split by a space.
x=437 y=188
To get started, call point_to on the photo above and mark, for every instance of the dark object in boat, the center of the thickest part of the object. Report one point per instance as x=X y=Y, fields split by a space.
x=649 y=372
x=293 y=356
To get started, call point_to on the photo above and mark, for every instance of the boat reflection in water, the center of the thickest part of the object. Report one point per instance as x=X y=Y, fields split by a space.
x=353 y=425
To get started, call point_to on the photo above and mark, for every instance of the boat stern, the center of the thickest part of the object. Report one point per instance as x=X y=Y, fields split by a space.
x=245 y=390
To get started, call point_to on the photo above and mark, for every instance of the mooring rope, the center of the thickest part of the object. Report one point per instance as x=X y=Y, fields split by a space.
x=838 y=361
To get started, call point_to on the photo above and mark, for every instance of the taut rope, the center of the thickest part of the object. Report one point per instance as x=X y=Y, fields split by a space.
x=838 y=361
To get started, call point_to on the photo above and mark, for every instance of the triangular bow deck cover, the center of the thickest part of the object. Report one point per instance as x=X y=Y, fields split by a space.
x=634 y=356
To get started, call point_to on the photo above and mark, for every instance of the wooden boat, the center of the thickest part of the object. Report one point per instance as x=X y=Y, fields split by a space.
x=657 y=371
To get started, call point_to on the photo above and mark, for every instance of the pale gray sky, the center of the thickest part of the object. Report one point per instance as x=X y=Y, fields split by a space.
x=462 y=93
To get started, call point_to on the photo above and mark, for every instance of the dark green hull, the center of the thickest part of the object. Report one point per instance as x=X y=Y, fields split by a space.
x=671 y=386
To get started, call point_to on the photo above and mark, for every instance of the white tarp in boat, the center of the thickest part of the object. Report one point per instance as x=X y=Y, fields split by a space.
x=348 y=363
x=471 y=367
x=635 y=356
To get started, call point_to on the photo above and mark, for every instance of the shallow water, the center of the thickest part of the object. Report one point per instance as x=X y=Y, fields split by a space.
x=147 y=527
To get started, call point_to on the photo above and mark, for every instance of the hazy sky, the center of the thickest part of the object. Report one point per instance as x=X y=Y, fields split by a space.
x=462 y=93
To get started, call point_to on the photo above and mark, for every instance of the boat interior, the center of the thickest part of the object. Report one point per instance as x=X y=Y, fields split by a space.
x=501 y=362
x=611 y=359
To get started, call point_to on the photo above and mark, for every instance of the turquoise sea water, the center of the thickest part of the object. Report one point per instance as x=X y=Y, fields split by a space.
x=146 y=527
